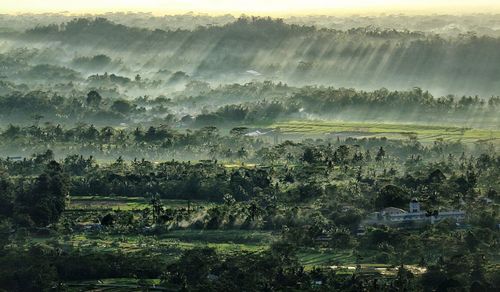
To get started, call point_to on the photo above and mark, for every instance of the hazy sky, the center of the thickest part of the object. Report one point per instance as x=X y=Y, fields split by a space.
x=260 y=7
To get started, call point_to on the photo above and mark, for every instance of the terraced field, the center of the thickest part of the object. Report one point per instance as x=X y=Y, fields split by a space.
x=171 y=244
x=424 y=133
x=325 y=257
x=122 y=203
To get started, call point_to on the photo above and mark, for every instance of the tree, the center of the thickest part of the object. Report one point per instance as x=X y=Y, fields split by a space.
x=7 y=196
x=121 y=106
x=433 y=278
x=157 y=207
x=108 y=220
x=238 y=131
x=12 y=132
x=193 y=267
x=309 y=156
x=380 y=154
x=43 y=158
x=391 y=196
x=5 y=234
x=242 y=153
x=404 y=280
x=28 y=271
x=343 y=153
x=45 y=200
x=471 y=241
x=94 y=99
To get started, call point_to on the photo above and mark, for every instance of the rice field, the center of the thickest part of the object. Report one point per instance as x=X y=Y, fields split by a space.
x=325 y=257
x=123 y=203
x=424 y=133
x=169 y=245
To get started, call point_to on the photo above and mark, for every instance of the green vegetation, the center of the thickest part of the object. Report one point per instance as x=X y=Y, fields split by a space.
x=423 y=133
x=136 y=156
x=122 y=203
x=314 y=197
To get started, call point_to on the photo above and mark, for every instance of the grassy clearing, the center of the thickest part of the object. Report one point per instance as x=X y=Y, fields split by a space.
x=170 y=244
x=425 y=133
x=114 y=284
x=123 y=203
x=325 y=257
x=222 y=236
x=114 y=203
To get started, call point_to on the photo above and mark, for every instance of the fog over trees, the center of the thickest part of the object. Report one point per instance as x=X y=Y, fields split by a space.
x=223 y=153
x=365 y=57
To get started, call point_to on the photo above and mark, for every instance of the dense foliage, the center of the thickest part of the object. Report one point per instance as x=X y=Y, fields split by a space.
x=149 y=153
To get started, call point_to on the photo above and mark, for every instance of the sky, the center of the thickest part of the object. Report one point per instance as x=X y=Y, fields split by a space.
x=253 y=7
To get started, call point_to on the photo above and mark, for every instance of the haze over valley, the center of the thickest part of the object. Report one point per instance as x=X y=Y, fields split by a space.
x=214 y=145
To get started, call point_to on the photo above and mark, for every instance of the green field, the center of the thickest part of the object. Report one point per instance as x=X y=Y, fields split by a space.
x=123 y=203
x=172 y=243
x=325 y=257
x=424 y=133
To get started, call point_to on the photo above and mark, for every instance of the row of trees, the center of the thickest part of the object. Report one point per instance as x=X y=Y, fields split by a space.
x=381 y=181
x=37 y=201
x=245 y=104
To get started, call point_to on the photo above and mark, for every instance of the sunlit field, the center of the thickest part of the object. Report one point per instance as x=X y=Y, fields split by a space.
x=422 y=133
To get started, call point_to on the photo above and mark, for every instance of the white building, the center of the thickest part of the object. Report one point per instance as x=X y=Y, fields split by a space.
x=393 y=215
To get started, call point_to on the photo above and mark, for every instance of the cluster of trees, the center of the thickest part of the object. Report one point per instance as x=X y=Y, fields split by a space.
x=30 y=107
x=35 y=201
x=95 y=62
x=307 y=173
x=170 y=180
x=317 y=196
x=251 y=103
x=324 y=100
x=275 y=269
x=328 y=102
x=154 y=142
x=349 y=58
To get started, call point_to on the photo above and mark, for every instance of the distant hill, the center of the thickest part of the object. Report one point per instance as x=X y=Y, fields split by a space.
x=364 y=58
